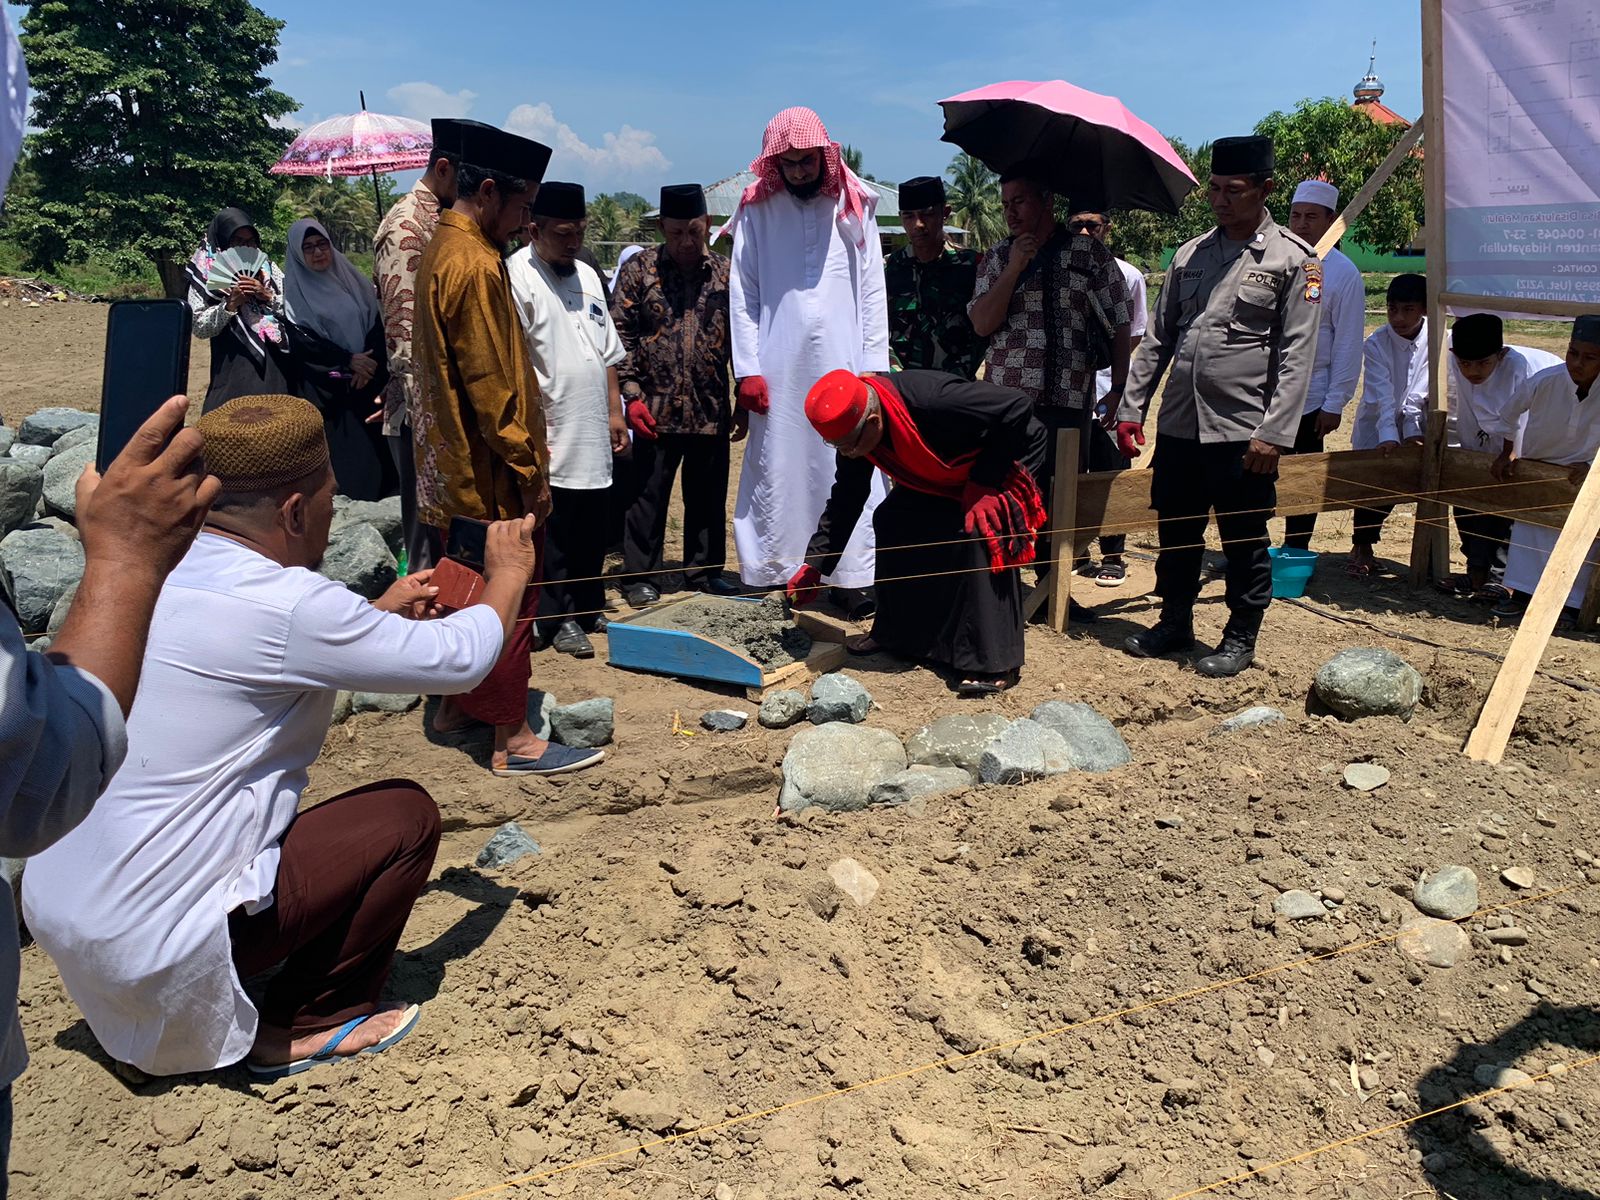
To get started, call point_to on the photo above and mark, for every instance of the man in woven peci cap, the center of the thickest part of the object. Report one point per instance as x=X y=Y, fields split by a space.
x=929 y=283
x=962 y=517
x=197 y=871
x=1237 y=324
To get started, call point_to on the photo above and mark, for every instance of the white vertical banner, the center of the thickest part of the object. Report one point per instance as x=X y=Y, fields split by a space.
x=13 y=103
x=1522 y=124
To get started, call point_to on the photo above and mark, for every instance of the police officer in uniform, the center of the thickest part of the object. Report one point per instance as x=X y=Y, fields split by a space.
x=1237 y=323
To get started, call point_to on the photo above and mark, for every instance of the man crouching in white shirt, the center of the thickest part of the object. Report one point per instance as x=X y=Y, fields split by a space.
x=195 y=872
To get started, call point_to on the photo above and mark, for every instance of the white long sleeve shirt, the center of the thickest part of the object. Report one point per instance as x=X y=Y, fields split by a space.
x=240 y=672
x=1476 y=408
x=1336 y=371
x=1556 y=426
x=1394 y=395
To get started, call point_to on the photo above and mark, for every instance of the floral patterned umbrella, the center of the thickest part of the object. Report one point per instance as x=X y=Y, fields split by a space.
x=358 y=144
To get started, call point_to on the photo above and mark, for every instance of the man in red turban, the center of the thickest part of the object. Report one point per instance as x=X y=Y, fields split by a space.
x=961 y=519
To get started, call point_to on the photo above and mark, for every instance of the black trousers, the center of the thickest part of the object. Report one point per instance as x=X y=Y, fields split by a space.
x=1485 y=539
x=422 y=541
x=1097 y=451
x=704 y=459
x=574 y=555
x=1297 y=531
x=1190 y=480
x=1369 y=524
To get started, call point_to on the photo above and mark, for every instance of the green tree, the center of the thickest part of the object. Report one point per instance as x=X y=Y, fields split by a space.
x=609 y=222
x=852 y=159
x=151 y=115
x=1335 y=140
x=630 y=202
x=974 y=195
x=1143 y=237
x=345 y=207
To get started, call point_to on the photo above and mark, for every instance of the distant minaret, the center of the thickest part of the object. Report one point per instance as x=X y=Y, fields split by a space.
x=1370 y=89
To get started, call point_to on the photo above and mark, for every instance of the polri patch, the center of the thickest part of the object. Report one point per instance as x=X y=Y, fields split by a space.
x=1313 y=281
x=1264 y=278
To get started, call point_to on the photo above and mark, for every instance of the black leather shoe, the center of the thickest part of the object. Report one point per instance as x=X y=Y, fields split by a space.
x=1079 y=615
x=641 y=595
x=721 y=587
x=1166 y=637
x=570 y=639
x=858 y=603
x=601 y=624
x=1238 y=651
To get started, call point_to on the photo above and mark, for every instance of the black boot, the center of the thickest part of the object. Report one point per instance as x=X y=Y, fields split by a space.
x=1237 y=651
x=1174 y=632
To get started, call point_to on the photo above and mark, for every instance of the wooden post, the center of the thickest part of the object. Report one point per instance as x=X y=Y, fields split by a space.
x=1430 y=541
x=1493 y=730
x=1514 y=304
x=1369 y=189
x=1589 y=614
x=1064 y=524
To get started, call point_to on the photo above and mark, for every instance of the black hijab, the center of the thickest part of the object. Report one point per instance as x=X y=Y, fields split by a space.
x=224 y=225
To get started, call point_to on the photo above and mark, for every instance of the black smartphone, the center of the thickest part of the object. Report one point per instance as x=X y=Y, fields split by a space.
x=466 y=541
x=146 y=363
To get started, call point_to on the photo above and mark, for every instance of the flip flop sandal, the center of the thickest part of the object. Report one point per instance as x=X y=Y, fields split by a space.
x=1359 y=570
x=1456 y=586
x=266 y=1074
x=862 y=646
x=979 y=688
x=556 y=760
x=1111 y=575
x=1490 y=593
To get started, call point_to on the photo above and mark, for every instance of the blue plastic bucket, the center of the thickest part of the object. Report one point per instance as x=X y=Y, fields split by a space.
x=1291 y=571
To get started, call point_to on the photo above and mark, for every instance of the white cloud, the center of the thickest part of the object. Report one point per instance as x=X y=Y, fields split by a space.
x=623 y=156
x=290 y=122
x=424 y=101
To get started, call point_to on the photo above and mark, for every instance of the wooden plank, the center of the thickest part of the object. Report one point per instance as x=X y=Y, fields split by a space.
x=1512 y=304
x=1064 y=523
x=1369 y=189
x=1430 y=542
x=824 y=658
x=1119 y=501
x=1537 y=493
x=1487 y=742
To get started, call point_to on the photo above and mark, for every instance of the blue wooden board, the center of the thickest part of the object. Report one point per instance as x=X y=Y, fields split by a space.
x=664 y=651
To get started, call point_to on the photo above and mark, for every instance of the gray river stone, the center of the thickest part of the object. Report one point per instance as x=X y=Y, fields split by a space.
x=61 y=480
x=34 y=456
x=1450 y=893
x=1252 y=718
x=42 y=564
x=958 y=740
x=836 y=697
x=83 y=435
x=919 y=782
x=1026 y=750
x=1094 y=743
x=21 y=487
x=782 y=709
x=837 y=765
x=508 y=844
x=383 y=702
x=45 y=426
x=58 y=614
x=1367 y=682
x=8 y=437
x=382 y=515
x=1298 y=905
x=359 y=558
x=584 y=725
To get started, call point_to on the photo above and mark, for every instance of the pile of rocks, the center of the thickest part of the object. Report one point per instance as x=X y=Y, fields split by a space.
x=843 y=766
x=41 y=559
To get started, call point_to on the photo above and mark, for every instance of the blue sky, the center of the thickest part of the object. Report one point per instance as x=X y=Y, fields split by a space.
x=635 y=95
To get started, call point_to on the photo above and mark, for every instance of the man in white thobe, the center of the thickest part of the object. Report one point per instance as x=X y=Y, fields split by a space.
x=1563 y=427
x=1336 y=371
x=1484 y=374
x=807 y=297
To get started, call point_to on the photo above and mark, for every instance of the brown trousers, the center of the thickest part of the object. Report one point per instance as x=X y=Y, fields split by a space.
x=349 y=873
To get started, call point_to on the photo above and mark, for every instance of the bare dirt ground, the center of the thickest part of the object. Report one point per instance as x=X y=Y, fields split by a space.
x=676 y=957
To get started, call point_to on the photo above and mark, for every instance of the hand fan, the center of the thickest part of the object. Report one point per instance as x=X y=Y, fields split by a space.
x=227 y=266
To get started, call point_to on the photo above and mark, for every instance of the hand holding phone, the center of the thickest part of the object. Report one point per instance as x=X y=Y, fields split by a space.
x=146 y=361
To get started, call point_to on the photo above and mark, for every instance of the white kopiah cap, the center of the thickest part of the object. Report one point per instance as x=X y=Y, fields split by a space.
x=1317 y=191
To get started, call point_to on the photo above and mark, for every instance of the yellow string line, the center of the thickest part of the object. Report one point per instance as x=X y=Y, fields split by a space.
x=952 y=1060
x=1393 y=1125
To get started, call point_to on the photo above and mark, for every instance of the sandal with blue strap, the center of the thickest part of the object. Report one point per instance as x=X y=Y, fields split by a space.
x=266 y=1073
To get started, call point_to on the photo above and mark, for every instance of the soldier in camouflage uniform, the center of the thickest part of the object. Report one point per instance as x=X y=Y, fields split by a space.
x=928 y=285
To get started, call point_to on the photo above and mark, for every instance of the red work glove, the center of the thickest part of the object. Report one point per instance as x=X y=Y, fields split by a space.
x=640 y=420
x=1130 y=436
x=804 y=586
x=987 y=515
x=752 y=394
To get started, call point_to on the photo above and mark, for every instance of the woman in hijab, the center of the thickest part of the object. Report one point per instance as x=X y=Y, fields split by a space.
x=336 y=331
x=243 y=323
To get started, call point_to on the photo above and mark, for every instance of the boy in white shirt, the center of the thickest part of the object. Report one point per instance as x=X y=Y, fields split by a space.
x=1484 y=375
x=1560 y=424
x=1393 y=398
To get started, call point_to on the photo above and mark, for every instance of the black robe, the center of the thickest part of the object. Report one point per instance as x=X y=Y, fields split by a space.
x=955 y=613
x=361 y=460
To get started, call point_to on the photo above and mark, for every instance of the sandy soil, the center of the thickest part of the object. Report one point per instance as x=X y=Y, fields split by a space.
x=677 y=957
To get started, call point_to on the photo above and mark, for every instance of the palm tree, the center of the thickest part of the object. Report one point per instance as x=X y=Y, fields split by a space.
x=974 y=195
x=610 y=222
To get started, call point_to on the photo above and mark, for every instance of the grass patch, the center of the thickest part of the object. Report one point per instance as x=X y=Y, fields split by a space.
x=97 y=275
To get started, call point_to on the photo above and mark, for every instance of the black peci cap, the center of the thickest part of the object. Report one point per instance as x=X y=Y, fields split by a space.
x=1251 y=155
x=559 y=201
x=683 y=201
x=925 y=191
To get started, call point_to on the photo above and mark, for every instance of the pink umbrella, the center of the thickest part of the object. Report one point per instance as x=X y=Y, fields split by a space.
x=1088 y=145
x=357 y=144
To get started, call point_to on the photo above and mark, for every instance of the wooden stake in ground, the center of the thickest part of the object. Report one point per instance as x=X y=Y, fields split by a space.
x=1064 y=520
x=1430 y=537
x=1493 y=730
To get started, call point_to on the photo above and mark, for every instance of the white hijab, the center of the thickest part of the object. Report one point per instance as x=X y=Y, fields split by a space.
x=340 y=303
